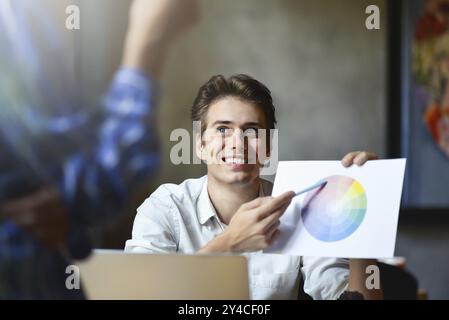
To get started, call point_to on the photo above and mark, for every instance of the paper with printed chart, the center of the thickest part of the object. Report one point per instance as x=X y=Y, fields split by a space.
x=354 y=215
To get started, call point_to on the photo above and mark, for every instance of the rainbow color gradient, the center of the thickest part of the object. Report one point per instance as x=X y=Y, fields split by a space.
x=334 y=212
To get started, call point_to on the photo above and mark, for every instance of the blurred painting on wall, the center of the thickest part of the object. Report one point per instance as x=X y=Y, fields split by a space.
x=424 y=116
x=431 y=70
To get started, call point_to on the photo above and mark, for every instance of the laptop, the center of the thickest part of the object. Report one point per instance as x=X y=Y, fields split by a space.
x=114 y=274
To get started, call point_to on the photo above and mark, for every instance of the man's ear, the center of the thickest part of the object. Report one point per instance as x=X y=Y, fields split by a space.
x=199 y=147
x=268 y=143
x=266 y=156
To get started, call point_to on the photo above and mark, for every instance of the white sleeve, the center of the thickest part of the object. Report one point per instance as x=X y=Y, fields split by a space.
x=155 y=228
x=325 y=278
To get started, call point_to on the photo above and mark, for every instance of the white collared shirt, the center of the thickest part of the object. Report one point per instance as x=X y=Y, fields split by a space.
x=181 y=219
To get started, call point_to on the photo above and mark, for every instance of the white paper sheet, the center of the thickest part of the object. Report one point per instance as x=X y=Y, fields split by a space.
x=355 y=215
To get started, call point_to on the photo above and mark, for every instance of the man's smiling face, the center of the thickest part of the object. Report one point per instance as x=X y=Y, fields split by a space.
x=231 y=142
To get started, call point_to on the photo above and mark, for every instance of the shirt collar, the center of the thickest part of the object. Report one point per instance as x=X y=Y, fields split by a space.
x=205 y=208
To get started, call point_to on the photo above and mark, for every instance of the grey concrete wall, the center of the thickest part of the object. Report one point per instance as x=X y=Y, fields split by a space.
x=326 y=72
x=426 y=248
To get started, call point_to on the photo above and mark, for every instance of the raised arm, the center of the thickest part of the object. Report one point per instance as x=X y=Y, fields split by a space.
x=124 y=150
x=91 y=160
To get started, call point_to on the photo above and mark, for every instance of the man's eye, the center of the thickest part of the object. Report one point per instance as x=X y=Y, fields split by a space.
x=223 y=130
x=251 y=131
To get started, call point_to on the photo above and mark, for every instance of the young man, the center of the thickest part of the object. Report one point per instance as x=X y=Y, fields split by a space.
x=230 y=209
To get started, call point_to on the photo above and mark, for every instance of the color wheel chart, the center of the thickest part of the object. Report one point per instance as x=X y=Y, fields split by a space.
x=335 y=211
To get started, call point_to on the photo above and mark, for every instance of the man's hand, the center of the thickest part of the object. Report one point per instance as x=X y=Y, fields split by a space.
x=357 y=269
x=358 y=157
x=253 y=227
x=153 y=26
x=42 y=214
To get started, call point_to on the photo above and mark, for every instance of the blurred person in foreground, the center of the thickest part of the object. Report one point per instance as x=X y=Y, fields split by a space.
x=65 y=166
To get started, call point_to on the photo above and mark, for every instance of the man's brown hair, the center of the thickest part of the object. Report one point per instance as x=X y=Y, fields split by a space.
x=239 y=86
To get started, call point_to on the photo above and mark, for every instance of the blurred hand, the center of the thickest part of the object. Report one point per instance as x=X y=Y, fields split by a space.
x=256 y=224
x=358 y=157
x=153 y=26
x=42 y=214
x=163 y=19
